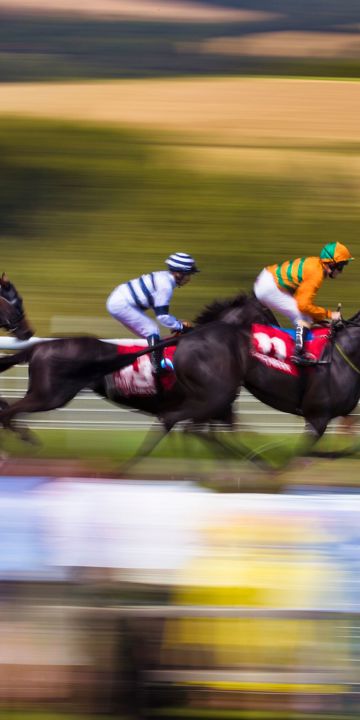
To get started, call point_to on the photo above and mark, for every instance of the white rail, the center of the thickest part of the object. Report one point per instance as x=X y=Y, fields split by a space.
x=90 y=411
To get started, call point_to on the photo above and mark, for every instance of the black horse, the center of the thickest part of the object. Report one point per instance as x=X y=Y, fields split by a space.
x=211 y=363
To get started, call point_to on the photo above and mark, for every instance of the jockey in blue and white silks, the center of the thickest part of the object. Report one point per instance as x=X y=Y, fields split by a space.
x=129 y=301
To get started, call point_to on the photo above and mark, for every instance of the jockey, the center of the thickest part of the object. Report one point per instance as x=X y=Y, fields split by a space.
x=290 y=288
x=129 y=301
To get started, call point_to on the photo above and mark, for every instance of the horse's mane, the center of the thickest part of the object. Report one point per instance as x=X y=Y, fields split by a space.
x=212 y=312
x=219 y=308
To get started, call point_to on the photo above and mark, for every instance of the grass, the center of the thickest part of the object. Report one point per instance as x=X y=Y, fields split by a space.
x=209 y=714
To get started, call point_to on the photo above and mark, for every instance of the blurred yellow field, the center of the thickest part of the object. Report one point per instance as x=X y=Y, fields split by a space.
x=226 y=111
x=286 y=44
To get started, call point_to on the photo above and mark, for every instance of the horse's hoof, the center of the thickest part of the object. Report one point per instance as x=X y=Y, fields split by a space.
x=33 y=440
x=30 y=438
x=4 y=456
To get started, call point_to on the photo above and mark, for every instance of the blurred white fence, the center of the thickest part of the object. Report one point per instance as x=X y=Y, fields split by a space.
x=90 y=411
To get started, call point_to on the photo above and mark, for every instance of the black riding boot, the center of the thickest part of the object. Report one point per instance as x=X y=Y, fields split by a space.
x=301 y=356
x=156 y=355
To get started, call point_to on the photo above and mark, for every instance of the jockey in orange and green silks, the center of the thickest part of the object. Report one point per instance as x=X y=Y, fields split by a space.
x=290 y=287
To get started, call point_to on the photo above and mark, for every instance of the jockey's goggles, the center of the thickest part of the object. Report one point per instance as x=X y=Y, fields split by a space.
x=340 y=265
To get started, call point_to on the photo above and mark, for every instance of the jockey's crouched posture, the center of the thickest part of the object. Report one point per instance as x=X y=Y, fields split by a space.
x=290 y=288
x=129 y=301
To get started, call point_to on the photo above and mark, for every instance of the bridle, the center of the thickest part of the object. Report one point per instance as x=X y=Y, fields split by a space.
x=16 y=307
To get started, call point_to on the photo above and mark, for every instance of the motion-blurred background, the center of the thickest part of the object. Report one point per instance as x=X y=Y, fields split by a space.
x=130 y=129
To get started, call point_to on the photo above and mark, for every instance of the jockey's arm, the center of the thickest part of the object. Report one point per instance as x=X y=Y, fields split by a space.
x=162 y=298
x=304 y=297
x=169 y=321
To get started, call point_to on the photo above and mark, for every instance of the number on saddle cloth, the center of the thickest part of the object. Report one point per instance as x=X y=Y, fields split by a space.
x=138 y=379
x=274 y=346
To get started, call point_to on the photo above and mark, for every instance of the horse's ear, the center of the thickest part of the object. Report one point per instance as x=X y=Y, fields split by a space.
x=4 y=281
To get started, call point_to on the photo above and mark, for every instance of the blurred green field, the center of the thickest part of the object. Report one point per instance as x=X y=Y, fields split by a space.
x=84 y=207
x=181 y=456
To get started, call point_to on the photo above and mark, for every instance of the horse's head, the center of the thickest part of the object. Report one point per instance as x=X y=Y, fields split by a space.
x=12 y=315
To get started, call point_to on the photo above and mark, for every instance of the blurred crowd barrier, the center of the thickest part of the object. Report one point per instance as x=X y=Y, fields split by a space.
x=127 y=597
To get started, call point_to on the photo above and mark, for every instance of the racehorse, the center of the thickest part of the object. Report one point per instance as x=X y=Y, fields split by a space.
x=12 y=315
x=211 y=364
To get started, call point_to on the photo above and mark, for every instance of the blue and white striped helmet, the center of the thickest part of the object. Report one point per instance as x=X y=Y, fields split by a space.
x=181 y=262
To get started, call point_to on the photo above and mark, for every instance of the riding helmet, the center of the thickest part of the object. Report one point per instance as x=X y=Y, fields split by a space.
x=335 y=253
x=181 y=262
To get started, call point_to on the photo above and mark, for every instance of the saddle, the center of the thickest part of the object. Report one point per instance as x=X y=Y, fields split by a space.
x=274 y=346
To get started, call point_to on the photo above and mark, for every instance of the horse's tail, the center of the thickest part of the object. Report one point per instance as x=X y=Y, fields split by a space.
x=7 y=361
x=107 y=366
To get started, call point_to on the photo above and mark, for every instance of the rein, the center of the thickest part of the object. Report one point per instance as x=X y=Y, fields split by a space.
x=346 y=323
x=346 y=358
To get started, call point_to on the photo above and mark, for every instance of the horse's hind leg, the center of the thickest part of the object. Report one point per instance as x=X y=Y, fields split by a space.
x=31 y=403
x=9 y=412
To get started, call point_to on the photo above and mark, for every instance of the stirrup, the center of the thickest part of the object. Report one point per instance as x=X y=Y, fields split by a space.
x=166 y=364
x=304 y=359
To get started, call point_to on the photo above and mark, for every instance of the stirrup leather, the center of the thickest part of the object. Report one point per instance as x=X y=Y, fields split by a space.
x=301 y=356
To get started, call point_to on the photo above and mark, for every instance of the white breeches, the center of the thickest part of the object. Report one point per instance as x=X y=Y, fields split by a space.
x=131 y=316
x=268 y=293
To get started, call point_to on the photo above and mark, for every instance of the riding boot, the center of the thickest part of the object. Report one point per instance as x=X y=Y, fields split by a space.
x=301 y=356
x=156 y=355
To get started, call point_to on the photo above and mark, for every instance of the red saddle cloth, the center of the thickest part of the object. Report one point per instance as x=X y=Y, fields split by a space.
x=274 y=346
x=138 y=378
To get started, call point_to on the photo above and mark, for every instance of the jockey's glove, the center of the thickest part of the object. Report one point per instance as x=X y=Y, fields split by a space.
x=186 y=326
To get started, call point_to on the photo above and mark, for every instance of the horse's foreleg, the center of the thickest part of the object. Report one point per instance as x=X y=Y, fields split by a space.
x=149 y=443
x=332 y=454
x=211 y=403
x=217 y=406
